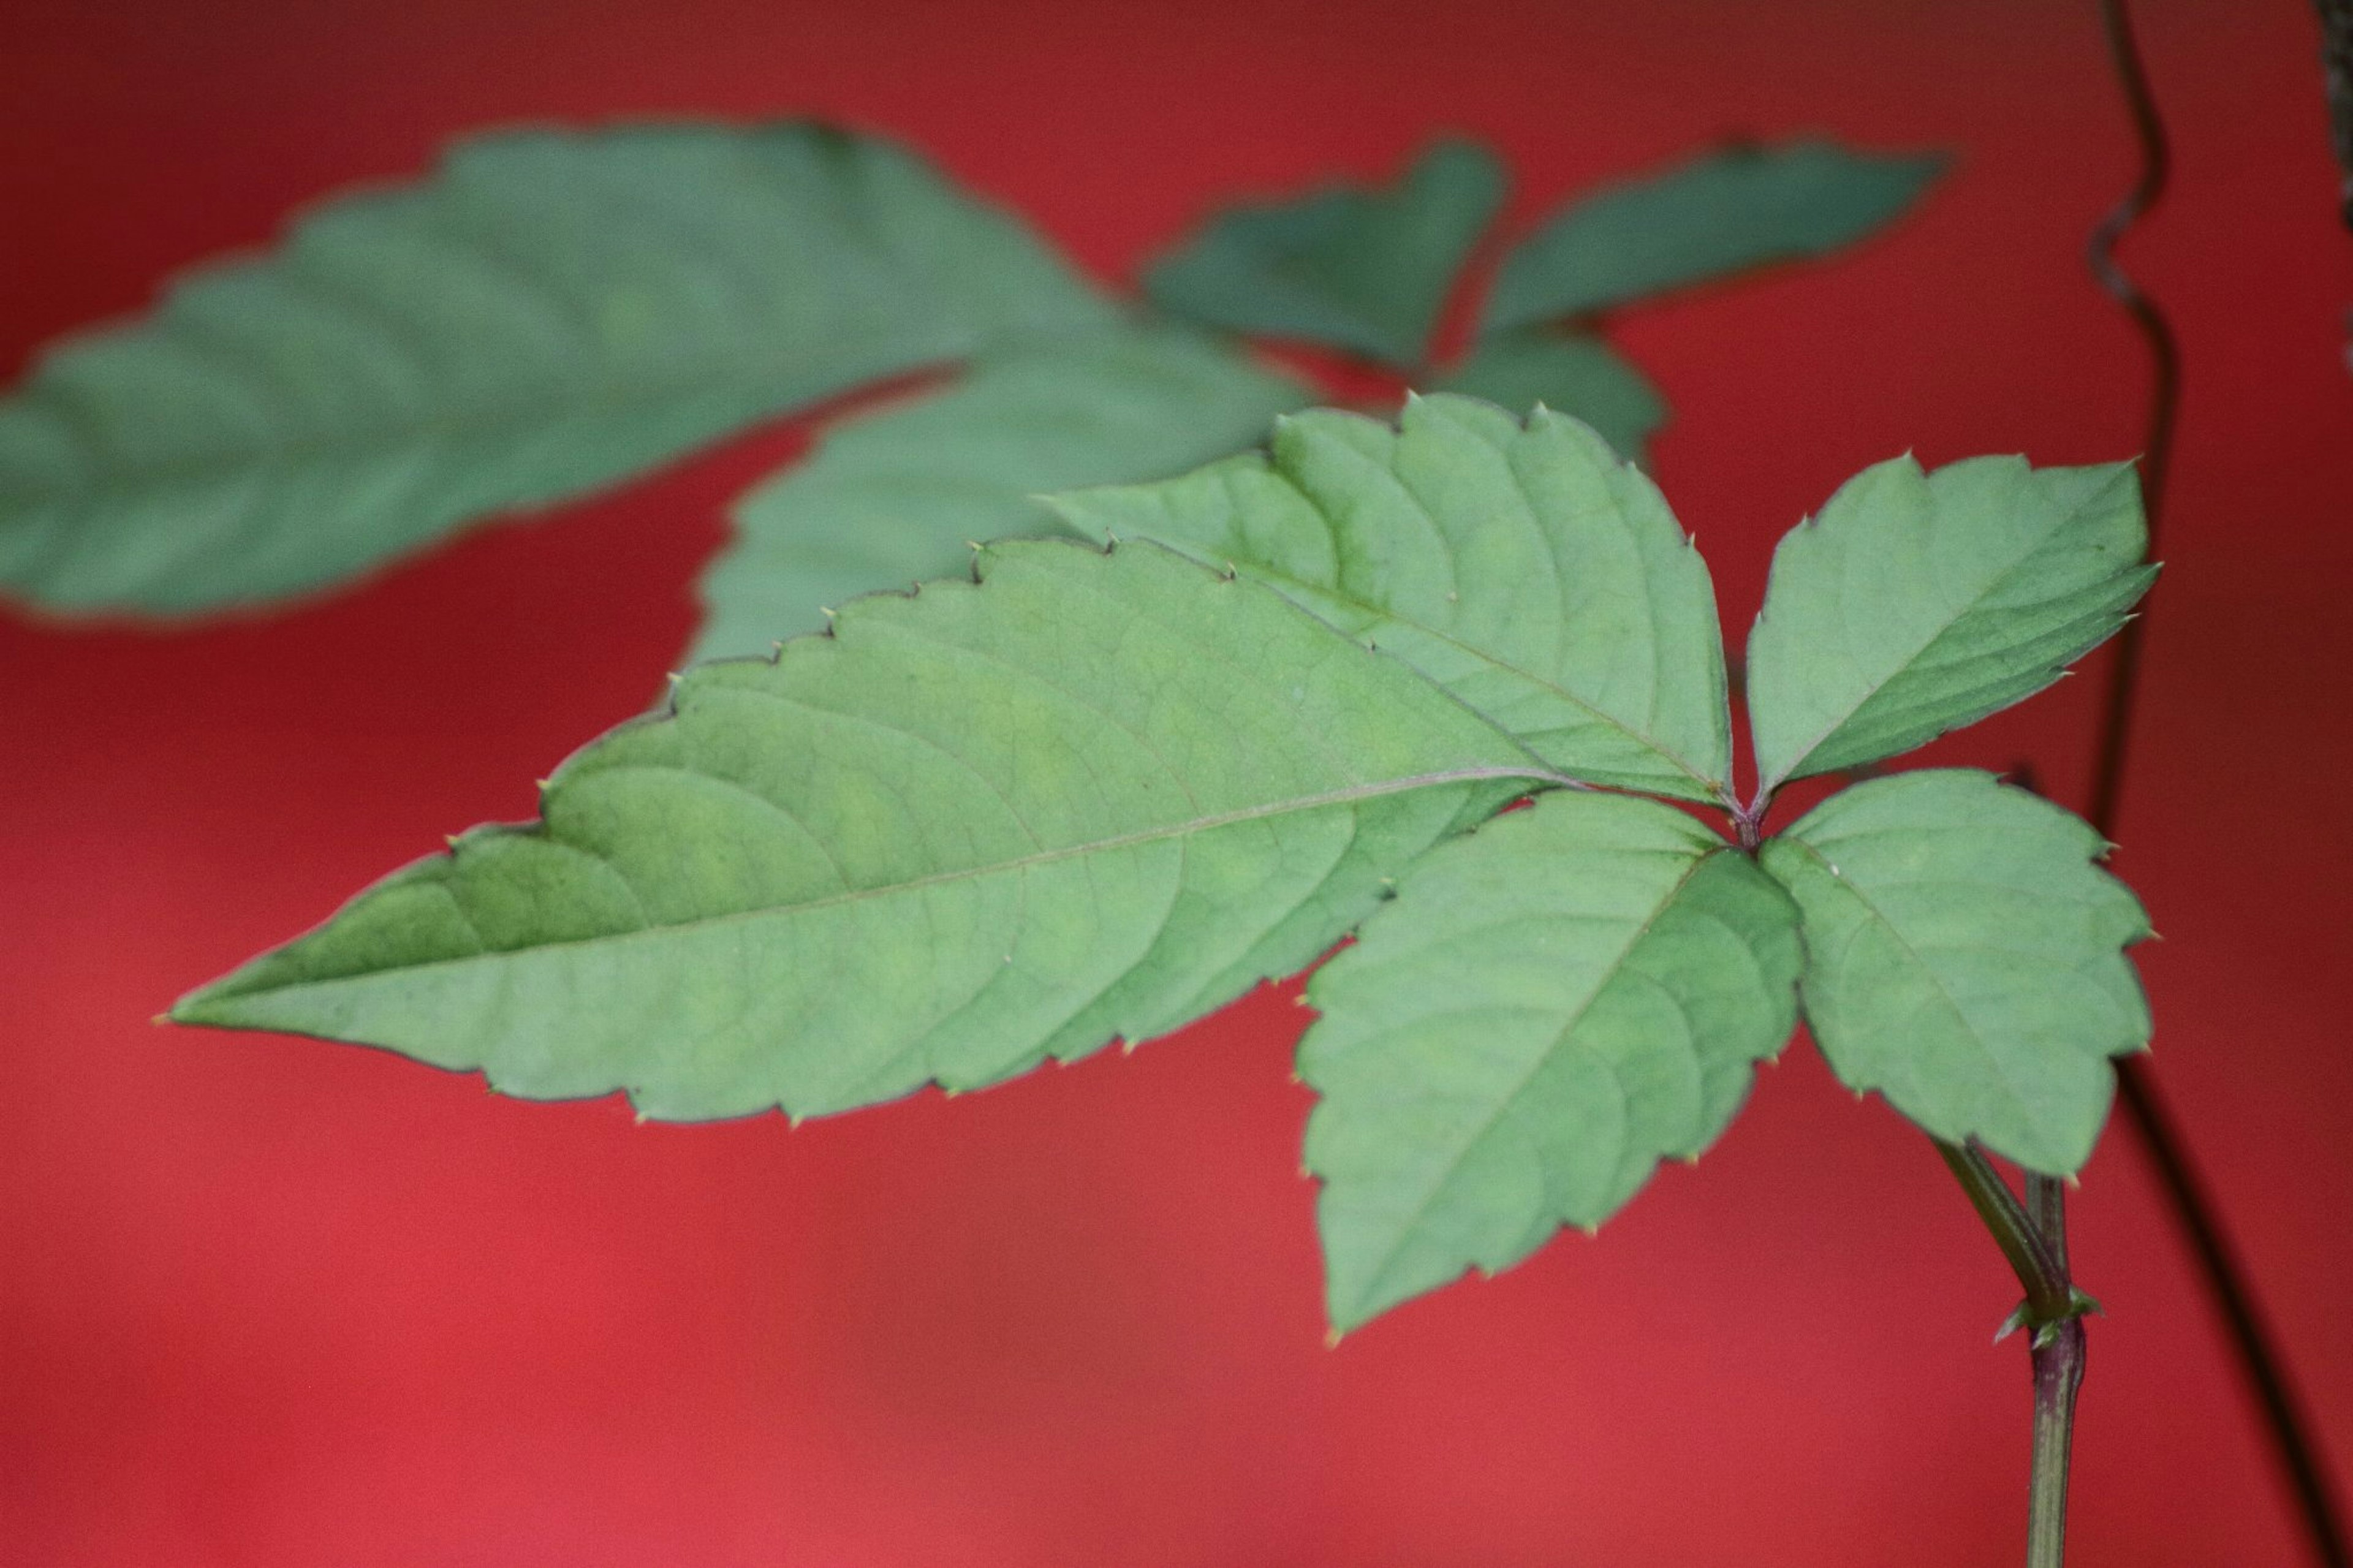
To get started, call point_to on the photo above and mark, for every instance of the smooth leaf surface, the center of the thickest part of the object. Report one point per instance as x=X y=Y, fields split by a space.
x=550 y=312
x=1917 y=603
x=1965 y=958
x=1549 y=1008
x=1573 y=373
x=1522 y=567
x=1723 y=213
x=1364 y=269
x=1095 y=795
x=893 y=498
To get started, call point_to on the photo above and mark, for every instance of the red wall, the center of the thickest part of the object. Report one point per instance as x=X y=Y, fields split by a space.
x=265 y=1301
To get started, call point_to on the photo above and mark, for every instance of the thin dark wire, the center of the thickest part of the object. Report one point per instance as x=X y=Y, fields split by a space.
x=2160 y=1135
x=2337 y=77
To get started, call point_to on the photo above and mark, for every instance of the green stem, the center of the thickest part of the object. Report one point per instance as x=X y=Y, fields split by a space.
x=2033 y=1236
x=2058 y=1358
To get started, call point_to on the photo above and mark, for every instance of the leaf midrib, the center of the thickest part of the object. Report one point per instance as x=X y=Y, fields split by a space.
x=396 y=435
x=1560 y=1037
x=1179 y=830
x=1952 y=1003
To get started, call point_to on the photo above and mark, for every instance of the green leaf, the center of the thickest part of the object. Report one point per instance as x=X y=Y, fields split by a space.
x=1571 y=374
x=1523 y=568
x=1549 y=1008
x=1096 y=795
x=551 y=312
x=893 y=498
x=1963 y=958
x=1367 y=270
x=1721 y=213
x=1917 y=603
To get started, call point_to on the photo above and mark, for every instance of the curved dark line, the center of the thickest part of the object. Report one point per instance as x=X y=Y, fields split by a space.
x=2164 y=389
x=2337 y=79
x=2194 y=1210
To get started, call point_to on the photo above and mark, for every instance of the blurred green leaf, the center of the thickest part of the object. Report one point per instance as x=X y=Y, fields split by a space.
x=1367 y=270
x=1721 y=213
x=897 y=496
x=550 y=312
x=1572 y=373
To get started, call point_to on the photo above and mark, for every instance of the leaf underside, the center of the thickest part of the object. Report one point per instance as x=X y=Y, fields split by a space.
x=1917 y=602
x=1096 y=795
x=1549 y=1008
x=1573 y=373
x=1724 y=213
x=1965 y=958
x=897 y=497
x=1366 y=270
x=1522 y=567
x=550 y=312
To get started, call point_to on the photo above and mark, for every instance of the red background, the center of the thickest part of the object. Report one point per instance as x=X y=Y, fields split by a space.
x=267 y=1301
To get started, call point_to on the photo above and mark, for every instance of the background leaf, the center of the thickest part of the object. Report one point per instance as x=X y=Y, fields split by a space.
x=1523 y=568
x=1964 y=957
x=1099 y=795
x=894 y=497
x=1364 y=269
x=1570 y=373
x=552 y=311
x=1917 y=602
x=1719 y=214
x=1550 y=1006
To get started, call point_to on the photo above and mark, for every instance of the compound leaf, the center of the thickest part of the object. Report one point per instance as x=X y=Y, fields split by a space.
x=1522 y=567
x=1917 y=603
x=1364 y=269
x=1548 y=1007
x=1964 y=956
x=1721 y=213
x=892 y=498
x=1092 y=795
x=1571 y=373
x=552 y=311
